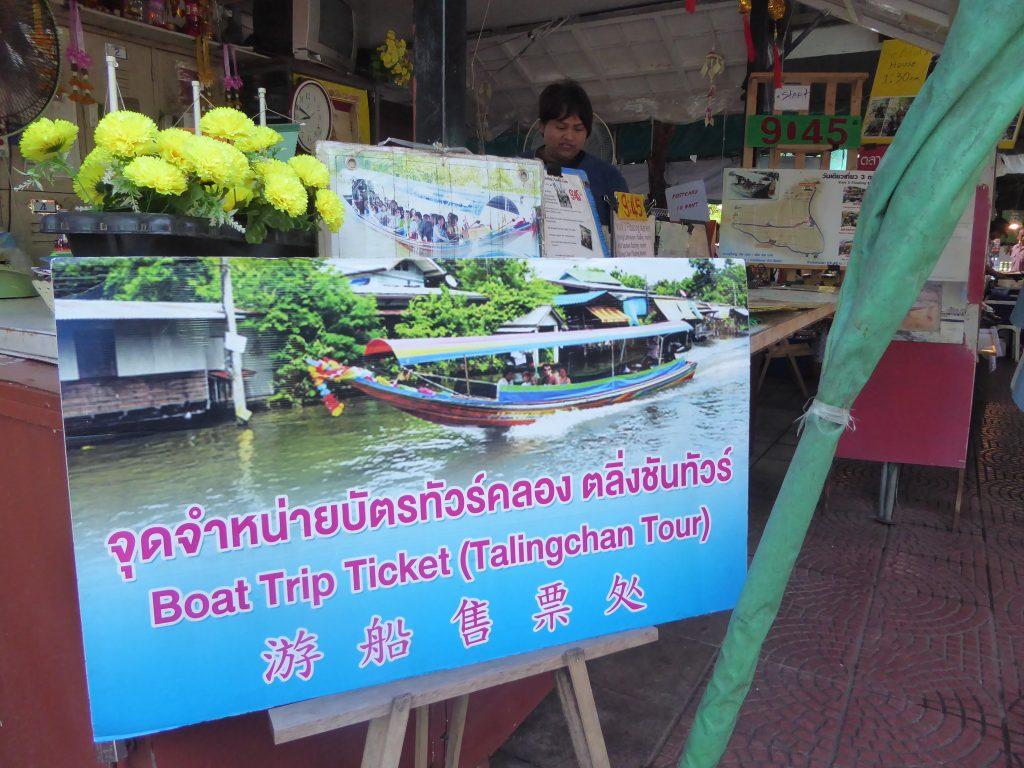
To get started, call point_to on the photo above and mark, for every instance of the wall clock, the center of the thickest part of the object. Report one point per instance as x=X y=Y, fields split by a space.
x=313 y=110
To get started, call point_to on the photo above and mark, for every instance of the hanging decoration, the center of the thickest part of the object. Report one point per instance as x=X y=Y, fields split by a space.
x=776 y=10
x=80 y=61
x=713 y=66
x=745 y=8
x=232 y=80
x=204 y=69
x=691 y=6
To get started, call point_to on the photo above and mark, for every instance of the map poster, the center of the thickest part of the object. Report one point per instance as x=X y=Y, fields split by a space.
x=791 y=216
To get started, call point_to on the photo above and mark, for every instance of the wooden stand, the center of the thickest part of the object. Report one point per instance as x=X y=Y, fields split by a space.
x=387 y=707
x=830 y=82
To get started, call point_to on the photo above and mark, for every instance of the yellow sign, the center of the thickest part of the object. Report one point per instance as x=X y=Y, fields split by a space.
x=902 y=69
x=630 y=206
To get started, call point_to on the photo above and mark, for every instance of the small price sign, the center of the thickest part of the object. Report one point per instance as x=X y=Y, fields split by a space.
x=837 y=131
x=631 y=206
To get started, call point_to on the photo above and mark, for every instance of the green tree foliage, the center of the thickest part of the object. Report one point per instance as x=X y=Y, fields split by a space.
x=630 y=281
x=310 y=307
x=512 y=291
x=154 y=279
x=725 y=285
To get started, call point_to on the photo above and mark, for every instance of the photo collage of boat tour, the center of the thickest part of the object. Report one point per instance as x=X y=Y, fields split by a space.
x=527 y=435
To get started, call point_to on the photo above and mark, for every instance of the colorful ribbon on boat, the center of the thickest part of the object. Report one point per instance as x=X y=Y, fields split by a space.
x=319 y=372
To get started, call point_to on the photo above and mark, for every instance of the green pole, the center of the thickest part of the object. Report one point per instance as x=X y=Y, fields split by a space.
x=909 y=212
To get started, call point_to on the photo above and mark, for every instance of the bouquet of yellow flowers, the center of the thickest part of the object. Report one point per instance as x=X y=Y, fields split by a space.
x=228 y=175
x=392 y=56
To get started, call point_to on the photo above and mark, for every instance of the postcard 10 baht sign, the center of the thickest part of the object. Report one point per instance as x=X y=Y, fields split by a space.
x=462 y=498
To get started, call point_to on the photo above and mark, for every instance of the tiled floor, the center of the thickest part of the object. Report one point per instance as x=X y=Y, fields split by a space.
x=895 y=646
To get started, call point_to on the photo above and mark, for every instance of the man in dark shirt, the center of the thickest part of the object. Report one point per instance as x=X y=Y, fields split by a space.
x=566 y=119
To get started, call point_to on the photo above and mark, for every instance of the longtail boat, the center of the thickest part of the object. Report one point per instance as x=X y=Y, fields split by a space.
x=510 y=405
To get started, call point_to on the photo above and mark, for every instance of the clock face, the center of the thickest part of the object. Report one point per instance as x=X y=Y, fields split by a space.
x=312 y=108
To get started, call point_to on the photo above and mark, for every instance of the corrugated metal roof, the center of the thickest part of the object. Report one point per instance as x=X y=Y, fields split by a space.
x=105 y=309
x=356 y=266
x=572 y=299
x=532 y=320
x=677 y=309
x=409 y=290
x=608 y=314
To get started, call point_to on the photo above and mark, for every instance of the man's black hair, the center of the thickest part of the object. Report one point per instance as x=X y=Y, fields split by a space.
x=564 y=99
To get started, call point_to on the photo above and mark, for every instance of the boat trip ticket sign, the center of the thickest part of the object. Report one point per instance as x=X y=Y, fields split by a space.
x=516 y=464
x=791 y=216
x=401 y=201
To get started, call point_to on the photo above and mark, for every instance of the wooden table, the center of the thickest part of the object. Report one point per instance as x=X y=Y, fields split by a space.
x=775 y=327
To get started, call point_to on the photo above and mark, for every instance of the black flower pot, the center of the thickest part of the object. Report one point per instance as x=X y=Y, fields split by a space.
x=94 y=233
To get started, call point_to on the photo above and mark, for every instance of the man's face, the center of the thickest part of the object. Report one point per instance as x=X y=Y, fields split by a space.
x=564 y=138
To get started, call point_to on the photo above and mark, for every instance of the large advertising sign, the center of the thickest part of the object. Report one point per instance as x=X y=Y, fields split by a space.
x=510 y=462
x=401 y=201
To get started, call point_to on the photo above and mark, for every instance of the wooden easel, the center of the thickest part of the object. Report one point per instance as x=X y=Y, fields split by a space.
x=387 y=707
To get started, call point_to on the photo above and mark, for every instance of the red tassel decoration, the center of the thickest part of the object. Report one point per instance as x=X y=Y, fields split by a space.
x=777 y=65
x=691 y=6
x=749 y=36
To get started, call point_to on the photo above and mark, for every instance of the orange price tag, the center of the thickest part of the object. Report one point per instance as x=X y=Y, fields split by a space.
x=631 y=206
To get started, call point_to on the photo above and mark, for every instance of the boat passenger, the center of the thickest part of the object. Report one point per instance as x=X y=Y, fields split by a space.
x=527 y=379
x=414 y=226
x=427 y=228
x=439 y=233
x=548 y=375
x=563 y=377
x=506 y=380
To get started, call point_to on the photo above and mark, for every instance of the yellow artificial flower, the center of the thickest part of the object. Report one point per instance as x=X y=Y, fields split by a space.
x=329 y=206
x=226 y=124
x=126 y=134
x=156 y=174
x=286 y=194
x=236 y=197
x=175 y=146
x=90 y=174
x=271 y=167
x=311 y=171
x=262 y=138
x=217 y=163
x=45 y=139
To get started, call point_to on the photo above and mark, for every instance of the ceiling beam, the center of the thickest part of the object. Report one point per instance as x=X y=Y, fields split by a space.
x=877 y=25
x=659 y=8
x=587 y=54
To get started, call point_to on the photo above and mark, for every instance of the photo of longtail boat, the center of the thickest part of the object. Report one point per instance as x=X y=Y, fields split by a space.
x=447 y=399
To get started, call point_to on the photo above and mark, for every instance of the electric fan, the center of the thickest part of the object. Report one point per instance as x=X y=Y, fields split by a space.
x=599 y=144
x=29 y=62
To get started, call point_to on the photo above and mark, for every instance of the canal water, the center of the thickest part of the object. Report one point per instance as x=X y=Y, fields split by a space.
x=308 y=455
